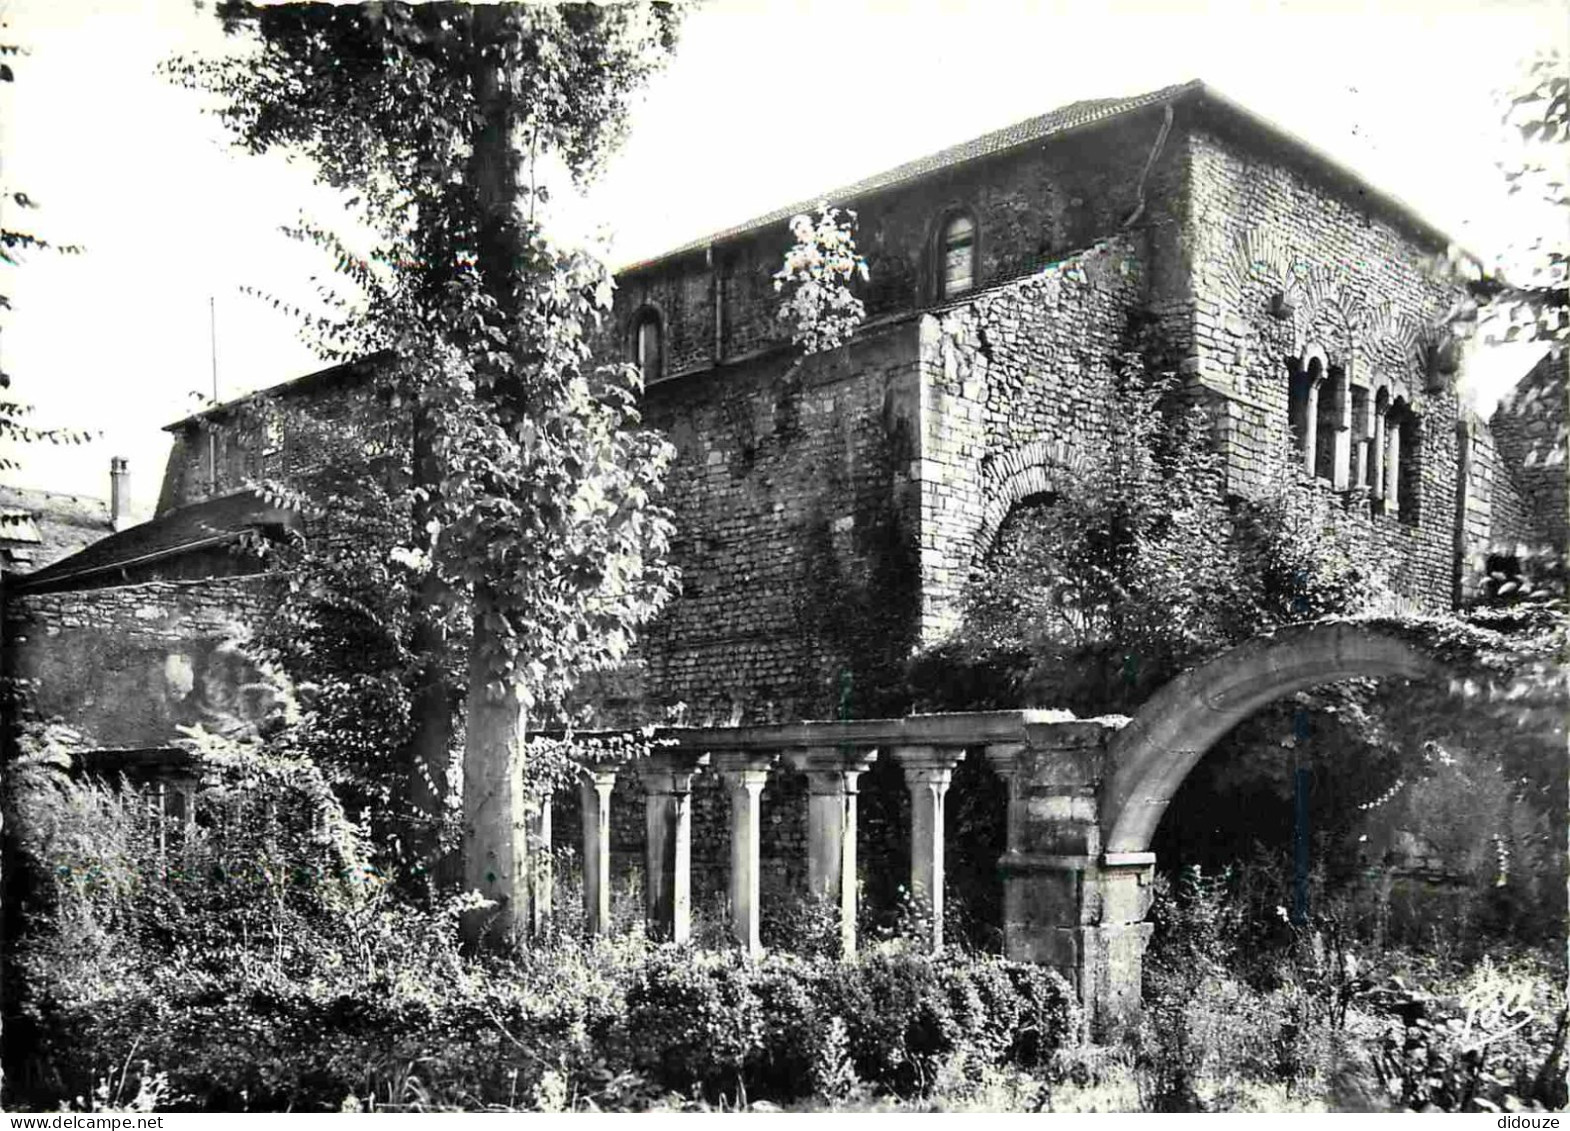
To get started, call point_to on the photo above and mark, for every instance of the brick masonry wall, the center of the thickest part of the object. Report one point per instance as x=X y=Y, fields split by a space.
x=1012 y=384
x=125 y=666
x=1530 y=432
x=795 y=535
x=1357 y=290
x=1032 y=207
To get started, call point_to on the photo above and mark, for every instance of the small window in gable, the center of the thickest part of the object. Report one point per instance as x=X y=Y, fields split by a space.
x=272 y=445
x=648 y=346
x=957 y=248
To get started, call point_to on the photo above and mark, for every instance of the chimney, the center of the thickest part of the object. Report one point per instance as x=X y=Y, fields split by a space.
x=119 y=493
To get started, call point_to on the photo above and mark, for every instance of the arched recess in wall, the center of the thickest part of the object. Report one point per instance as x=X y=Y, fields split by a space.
x=1031 y=470
x=646 y=343
x=1306 y=385
x=1177 y=726
x=955 y=256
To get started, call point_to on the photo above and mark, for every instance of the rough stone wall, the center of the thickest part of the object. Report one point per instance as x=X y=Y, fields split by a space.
x=794 y=533
x=1013 y=387
x=126 y=666
x=1032 y=207
x=1496 y=519
x=238 y=443
x=1530 y=432
x=1354 y=286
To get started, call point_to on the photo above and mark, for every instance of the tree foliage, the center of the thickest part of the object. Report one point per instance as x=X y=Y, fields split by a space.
x=1526 y=295
x=1137 y=566
x=533 y=494
x=816 y=279
x=14 y=245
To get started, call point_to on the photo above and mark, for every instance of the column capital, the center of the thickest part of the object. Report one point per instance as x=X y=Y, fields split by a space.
x=831 y=760
x=743 y=765
x=672 y=771
x=601 y=773
x=1004 y=758
x=929 y=763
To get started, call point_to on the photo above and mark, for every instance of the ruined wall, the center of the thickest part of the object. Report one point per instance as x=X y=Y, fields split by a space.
x=1353 y=284
x=1013 y=390
x=241 y=446
x=126 y=666
x=1033 y=206
x=1530 y=432
x=795 y=530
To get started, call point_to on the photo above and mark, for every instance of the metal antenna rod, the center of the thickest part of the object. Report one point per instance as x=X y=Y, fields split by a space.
x=212 y=437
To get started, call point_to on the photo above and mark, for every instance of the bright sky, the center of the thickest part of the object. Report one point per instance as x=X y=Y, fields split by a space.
x=764 y=103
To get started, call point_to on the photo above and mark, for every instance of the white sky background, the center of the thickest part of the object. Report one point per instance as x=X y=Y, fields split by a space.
x=763 y=104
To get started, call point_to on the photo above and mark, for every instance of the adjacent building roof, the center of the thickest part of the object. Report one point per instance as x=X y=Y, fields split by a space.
x=38 y=528
x=189 y=529
x=346 y=373
x=1055 y=123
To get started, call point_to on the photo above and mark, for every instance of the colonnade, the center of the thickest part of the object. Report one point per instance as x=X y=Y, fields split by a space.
x=1066 y=903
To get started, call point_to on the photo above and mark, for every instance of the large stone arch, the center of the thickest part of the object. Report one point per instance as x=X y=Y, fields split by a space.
x=1035 y=468
x=1153 y=754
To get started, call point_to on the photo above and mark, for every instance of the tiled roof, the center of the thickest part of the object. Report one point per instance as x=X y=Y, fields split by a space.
x=344 y=373
x=198 y=525
x=41 y=527
x=1061 y=120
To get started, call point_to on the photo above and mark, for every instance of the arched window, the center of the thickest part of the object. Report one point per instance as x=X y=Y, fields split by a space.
x=648 y=346
x=1303 y=381
x=957 y=256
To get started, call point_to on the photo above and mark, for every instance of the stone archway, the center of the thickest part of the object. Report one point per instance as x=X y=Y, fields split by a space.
x=1077 y=879
x=1177 y=725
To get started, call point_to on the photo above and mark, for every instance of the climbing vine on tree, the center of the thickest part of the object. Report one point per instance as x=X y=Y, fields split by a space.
x=533 y=492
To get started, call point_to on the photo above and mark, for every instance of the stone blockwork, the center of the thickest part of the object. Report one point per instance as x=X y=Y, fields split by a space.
x=1012 y=392
x=1286 y=265
x=125 y=666
x=1531 y=434
x=1033 y=206
x=791 y=492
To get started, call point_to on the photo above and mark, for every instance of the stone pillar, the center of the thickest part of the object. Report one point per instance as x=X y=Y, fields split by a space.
x=744 y=774
x=667 y=780
x=1377 y=449
x=537 y=826
x=832 y=775
x=1311 y=425
x=1341 y=439
x=1066 y=904
x=1392 y=467
x=928 y=772
x=594 y=792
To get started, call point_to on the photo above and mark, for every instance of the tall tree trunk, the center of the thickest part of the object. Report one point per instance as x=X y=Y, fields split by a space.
x=429 y=753
x=495 y=858
x=495 y=842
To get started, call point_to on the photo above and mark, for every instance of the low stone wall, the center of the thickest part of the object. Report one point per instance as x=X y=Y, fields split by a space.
x=125 y=667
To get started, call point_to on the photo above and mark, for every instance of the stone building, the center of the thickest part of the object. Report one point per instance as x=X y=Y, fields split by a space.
x=829 y=508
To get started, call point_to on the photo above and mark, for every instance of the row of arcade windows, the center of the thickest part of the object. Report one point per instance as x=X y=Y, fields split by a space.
x=1351 y=441
x=954 y=274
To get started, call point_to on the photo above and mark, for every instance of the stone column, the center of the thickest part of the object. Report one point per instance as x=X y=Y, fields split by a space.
x=1311 y=425
x=667 y=779
x=1066 y=904
x=1377 y=450
x=1341 y=439
x=744 y=774
x=537 y=826
x=1392 y=468
x=594 y=792
x=928 y=772
x=832 y=775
